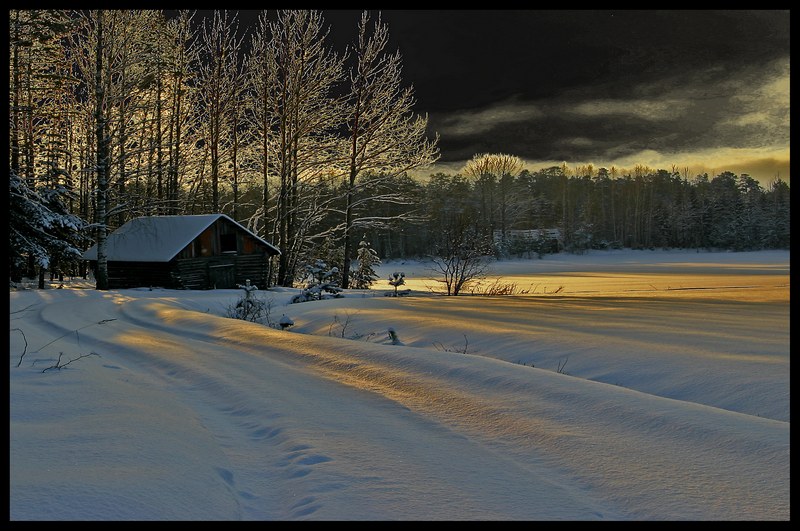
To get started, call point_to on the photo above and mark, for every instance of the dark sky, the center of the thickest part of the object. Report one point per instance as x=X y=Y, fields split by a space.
x=707 y=90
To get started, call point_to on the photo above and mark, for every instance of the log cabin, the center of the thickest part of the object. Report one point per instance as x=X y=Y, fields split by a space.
x=185 y=252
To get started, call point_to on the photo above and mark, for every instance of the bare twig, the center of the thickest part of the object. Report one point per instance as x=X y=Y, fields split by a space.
x=76 y=333
x=440 y=347
x=24 y=309
x=343 y=325
x=561 y=366
x=24 y=350
x=59 y=366
x=496 y=288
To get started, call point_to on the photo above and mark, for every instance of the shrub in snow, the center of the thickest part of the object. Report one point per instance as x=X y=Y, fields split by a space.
x=285 y=322
x=327 y=255
x=526 y=245
x=462 y=350
x=397 y=279
x=581 y=240
x=395 y=339
x=321 y=283
x=249 y=307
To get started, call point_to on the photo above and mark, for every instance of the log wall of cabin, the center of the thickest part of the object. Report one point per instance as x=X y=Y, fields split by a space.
x=192 y=273
x=253 y=267
x=187 y=273
x=123 y=275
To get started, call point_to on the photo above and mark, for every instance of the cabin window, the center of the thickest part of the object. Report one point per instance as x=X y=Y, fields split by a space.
x=227 y=243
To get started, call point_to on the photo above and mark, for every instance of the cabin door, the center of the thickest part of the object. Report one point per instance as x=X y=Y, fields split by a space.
x=222 y=274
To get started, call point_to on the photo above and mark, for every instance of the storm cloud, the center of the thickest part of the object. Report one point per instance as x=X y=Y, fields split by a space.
x=705 y=89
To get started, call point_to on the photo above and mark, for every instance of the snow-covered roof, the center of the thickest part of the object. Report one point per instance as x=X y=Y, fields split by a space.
x=158 y=238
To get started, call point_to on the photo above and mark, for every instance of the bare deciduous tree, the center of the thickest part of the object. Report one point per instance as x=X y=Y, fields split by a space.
x=180 y=55
x=115 y=81
x=304 y=114
x=385 y=137
x=462 y=255
x=261 y=80
x=219 y=83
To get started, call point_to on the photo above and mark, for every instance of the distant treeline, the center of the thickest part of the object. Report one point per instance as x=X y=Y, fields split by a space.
x=644 y=209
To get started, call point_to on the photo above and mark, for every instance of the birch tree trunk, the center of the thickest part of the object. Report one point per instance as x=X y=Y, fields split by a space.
x=101 y=138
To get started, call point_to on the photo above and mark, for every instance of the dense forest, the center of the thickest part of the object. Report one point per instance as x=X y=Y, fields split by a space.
x=644 y=209
x=116 y=114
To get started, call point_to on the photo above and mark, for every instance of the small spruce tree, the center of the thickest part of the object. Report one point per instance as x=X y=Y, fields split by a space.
x=364 y=275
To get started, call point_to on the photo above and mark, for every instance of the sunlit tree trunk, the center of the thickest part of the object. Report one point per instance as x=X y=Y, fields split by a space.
x=386 y=139
x=101 y=273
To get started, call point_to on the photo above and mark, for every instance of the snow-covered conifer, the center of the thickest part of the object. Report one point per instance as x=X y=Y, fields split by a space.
x=40 y=226
x=365 y=275
x=321 y=282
